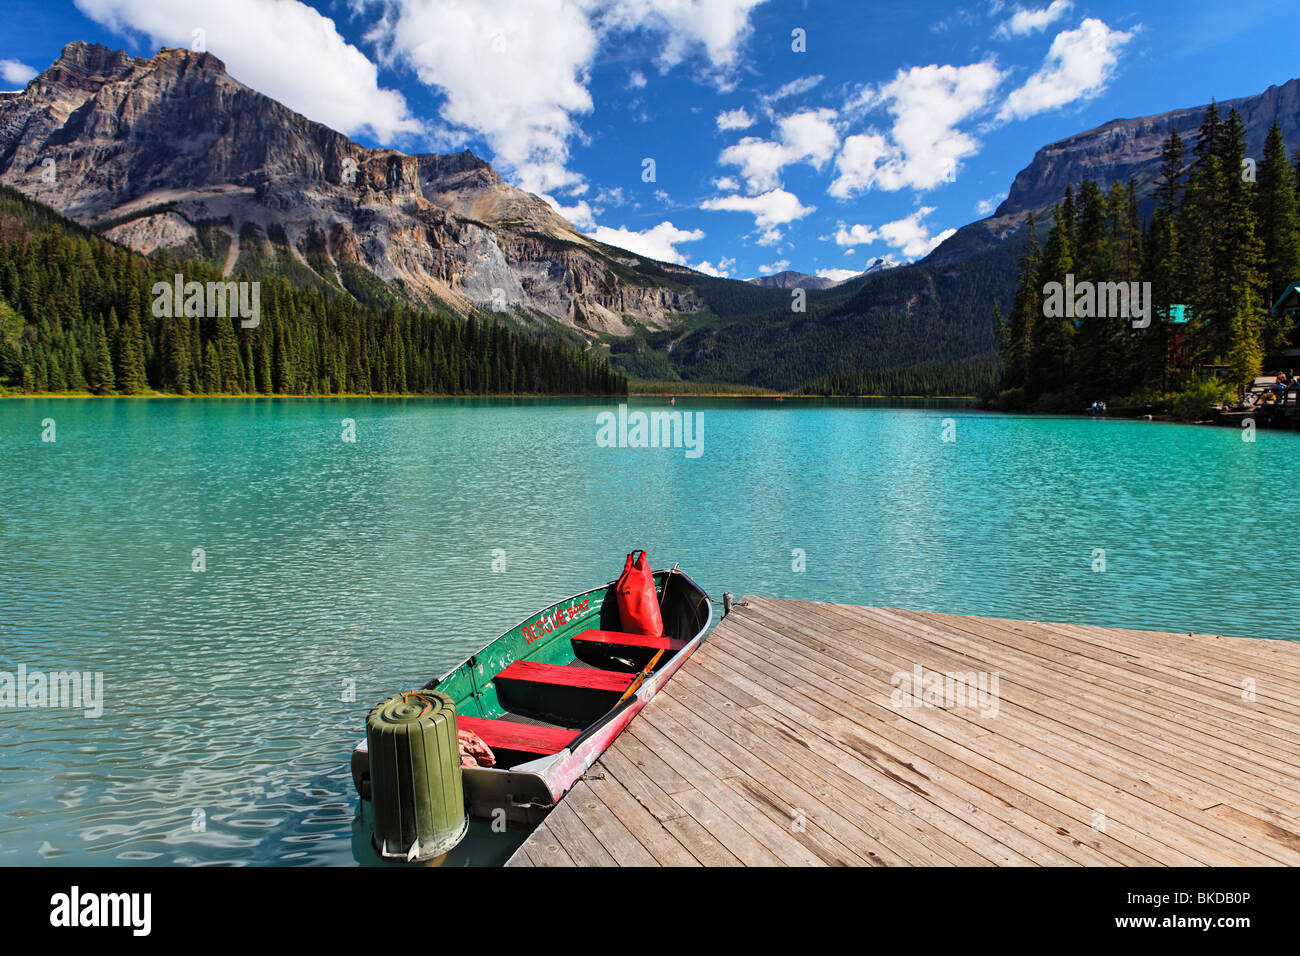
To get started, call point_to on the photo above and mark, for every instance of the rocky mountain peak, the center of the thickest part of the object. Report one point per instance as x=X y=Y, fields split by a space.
x=170 y=152
x=89 y=61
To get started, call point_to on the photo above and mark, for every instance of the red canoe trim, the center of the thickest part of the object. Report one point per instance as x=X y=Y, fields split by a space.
x=508 y=735
x=620 y=639
x=566 y=676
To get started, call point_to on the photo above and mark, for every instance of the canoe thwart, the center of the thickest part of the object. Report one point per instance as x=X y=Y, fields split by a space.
x=622 y=639
x=525 y=738
x=565 y=675
x=560 y=693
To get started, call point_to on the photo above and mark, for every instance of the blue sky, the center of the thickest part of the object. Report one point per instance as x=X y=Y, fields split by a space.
x=813 y=135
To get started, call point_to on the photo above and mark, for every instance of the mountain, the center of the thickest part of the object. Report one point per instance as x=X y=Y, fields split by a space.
x=1127 y=149
x=1119 y=151
x=881 y=264
x=171 y=152
x=791 y=280
x=75 y=316
x=928 y=326
x=799 y=280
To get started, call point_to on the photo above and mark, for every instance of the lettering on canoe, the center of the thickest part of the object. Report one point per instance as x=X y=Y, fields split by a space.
x=549 y=622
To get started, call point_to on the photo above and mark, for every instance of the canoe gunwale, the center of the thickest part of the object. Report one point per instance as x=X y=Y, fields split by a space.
x=433 y=684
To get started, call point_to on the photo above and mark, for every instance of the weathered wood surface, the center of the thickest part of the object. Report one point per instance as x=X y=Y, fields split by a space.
x=782 y=742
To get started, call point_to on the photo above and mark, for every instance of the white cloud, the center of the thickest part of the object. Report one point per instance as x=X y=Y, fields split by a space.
x=809 y=136
x=986 y=206
x=909 y=235
x=659 y=242
x=722 y=270
x=735 y=119
x=717 y=28
x=580 y=213
x=770 y=210
x=760 y=161
x=837 y=275
x=727 y=184
x=517 y=72
x=1024 y=22
x=924 y=147
x=1078 y=66
x=282 y=48
x=15 y=73
x=793 y=88
x=855 y=236
x=779 y=266
x=636 y=80
x=514 y=72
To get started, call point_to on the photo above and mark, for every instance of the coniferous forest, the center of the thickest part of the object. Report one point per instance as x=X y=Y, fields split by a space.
x=76 y=314
x=1223 y=241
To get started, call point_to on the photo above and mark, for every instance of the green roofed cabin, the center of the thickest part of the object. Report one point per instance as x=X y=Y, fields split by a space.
x=1289 y=304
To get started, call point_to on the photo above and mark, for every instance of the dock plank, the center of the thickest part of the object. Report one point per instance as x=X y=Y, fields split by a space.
x=782 y=742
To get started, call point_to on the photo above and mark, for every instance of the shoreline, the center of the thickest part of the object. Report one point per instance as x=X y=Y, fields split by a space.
x=970 y=402
x=775 y=396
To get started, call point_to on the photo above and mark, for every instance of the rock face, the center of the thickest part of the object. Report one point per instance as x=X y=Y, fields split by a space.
x=1130 y=148
x=171 y=152
x=1117 y=152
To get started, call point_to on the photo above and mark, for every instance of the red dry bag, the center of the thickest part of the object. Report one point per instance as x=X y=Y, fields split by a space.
x=638 y=604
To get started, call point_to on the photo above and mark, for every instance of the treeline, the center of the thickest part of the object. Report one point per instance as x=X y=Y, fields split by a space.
x=76 y=314
x=1223 y=240
x=931 y=379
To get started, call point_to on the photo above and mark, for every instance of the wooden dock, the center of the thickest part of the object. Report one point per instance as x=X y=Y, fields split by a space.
x=787 y=740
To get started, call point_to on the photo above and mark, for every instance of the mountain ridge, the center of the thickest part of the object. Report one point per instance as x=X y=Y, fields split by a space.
x=1118 y=150
x=172 y=152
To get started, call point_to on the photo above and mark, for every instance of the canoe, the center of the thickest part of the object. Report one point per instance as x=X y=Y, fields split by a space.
x=552 y=693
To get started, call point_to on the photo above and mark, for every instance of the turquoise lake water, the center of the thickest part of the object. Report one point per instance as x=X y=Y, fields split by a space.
x=340 y=572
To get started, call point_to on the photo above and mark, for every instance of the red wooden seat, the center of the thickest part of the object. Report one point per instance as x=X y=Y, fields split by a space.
x=563 y=675
x=621 y=639
x=508 y=735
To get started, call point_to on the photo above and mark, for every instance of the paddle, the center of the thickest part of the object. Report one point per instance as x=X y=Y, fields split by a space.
x=641 y=677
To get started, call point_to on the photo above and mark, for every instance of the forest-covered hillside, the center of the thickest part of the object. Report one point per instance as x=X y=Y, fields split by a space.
x=1221 y=246
x=77 y=314
x=920 y=329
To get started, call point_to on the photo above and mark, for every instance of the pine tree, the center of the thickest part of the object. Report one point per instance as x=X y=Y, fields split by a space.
x=212 y=373
x=130 y=357
x=100 y=375
x=1278 y=214
x=1164 y=259
x=1052 y=345
x=1201 y=227
x=1026 y=308
x=1093 y=364
x=1242 y=269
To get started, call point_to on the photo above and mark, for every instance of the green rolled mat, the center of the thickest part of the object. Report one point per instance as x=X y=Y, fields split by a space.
x=415 y=779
